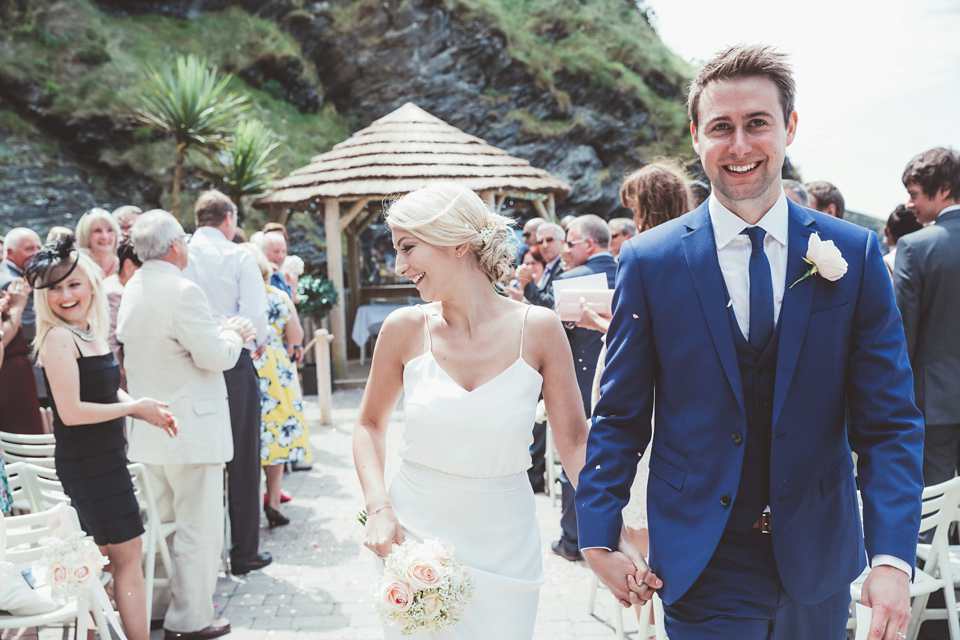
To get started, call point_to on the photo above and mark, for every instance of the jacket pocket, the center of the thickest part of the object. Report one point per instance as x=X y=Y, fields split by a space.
x=666 y=471
x=206 y=407
x=836 y=474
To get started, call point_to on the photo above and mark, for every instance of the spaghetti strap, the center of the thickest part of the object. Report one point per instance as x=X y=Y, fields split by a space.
x=426 y=327
x=522 y=325
x=80 y=353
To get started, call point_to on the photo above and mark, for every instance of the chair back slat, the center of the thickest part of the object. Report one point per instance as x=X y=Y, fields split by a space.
x=24 y=533
x=33 y=448
x=43 y=488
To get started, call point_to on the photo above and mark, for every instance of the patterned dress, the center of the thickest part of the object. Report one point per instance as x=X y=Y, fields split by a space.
x=6 y=496
x=283 y=433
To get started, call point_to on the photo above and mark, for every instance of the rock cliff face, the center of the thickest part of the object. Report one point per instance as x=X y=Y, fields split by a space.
x=455 y=66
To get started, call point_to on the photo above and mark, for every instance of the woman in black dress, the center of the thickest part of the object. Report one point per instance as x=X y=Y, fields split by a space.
x=89 y=410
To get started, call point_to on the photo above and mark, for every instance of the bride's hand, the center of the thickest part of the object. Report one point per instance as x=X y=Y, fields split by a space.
x=382 y=531
x=644 y=582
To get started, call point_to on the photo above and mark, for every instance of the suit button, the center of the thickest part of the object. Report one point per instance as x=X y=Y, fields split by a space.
x=737 y=438
x=765 y=403
x=725 y=499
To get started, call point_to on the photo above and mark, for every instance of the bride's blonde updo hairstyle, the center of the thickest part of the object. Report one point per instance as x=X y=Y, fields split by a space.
x=447 y=214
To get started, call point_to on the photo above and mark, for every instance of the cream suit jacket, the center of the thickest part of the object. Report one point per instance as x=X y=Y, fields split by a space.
x=176 y=353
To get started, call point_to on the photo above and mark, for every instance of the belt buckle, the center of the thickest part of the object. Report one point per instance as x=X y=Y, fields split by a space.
x=764 y=523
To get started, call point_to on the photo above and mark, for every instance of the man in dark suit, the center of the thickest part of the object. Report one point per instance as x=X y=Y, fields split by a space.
x=926 y=274
x=750 y=356
x=550 y=240
x=587 y=251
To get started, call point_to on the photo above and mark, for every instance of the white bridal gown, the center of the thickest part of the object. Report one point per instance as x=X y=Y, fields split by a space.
x=463 y=478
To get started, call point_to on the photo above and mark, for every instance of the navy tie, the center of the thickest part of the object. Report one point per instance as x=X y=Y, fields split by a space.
x=761 y=292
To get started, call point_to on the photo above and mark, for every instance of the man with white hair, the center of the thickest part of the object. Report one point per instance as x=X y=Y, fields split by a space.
x=19 y=248
x=174 y=349
x=274 y=246
x=126 y=216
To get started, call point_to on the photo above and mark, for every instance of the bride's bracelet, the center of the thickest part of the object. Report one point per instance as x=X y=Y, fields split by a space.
x=379 y=509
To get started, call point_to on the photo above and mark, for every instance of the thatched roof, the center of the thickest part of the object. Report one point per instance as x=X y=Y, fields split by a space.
x=403 y=151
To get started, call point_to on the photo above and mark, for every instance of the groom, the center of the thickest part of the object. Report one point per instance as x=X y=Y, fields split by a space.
x=752 y=504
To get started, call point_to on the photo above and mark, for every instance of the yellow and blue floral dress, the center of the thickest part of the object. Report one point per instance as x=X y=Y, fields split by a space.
x=283 y=433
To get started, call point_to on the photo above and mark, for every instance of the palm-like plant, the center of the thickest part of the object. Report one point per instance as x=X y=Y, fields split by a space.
x=245 y=166
x=193 y=105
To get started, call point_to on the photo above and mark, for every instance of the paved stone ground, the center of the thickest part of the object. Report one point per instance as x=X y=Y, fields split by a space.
x=318 y=585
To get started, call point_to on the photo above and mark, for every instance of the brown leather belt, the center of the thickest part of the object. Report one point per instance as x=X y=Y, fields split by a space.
x=763 y=523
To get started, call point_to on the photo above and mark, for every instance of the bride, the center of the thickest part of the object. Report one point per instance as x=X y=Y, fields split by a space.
x=470 y=365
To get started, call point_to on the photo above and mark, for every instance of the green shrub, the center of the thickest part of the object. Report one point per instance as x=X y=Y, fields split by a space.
x=317 y=296
x=93 y=54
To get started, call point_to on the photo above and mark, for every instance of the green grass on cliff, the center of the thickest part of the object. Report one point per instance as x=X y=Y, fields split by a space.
x=87 y=63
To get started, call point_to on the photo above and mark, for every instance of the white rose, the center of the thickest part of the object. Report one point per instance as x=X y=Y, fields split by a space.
x=826 y=258
x=423 y=570
x=431 y=605
x=442 y=550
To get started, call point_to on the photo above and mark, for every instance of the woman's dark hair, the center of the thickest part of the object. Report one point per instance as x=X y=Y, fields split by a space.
x=125 y=252
x=901 y=222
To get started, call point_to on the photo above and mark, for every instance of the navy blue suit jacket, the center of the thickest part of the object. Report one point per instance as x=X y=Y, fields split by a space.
x=586 y=344
x=670 y=345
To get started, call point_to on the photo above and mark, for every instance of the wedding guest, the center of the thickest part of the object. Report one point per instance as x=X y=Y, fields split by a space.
x=174 y=349
x=128 y=263
x=535 y=269
x=98 y=234
x=901 y=222
x=291 y=270
x=88 y=417
x=58 y=234
x=19 y=393
x=655 y=193
x=125 y=216
x=283 y=429
x=925 y=276
x=699 y=192
x=587 y=251
x=550 y=242
x=621 y=230
x=825 y=198
x=470 y=365
x=751 y=489
x=274 y=247
x=229 y=277
x=529 y=235
x=566 y=220
x=795 y=192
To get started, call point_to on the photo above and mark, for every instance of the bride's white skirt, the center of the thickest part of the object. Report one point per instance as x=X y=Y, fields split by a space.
x=493 y=527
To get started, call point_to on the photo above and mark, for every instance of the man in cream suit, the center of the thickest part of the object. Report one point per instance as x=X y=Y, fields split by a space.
x=174 y=348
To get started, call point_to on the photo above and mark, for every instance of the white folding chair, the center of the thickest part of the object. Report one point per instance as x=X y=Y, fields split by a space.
x=24 y=548
x=939 y=509
x=643 y=630
x=35 y=449
x=155 y=534
x=18 y=492
x=42 y=487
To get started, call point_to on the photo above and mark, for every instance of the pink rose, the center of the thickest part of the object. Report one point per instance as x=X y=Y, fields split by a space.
x=82 y=573
x=397 y=595
x=57 y=574
x=441 y=549
x=424 y=570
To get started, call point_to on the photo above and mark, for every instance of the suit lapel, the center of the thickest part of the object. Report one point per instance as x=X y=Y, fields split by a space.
x=700 y=249
x=795 y=309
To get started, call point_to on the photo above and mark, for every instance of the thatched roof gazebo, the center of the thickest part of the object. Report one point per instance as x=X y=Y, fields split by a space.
x=403 y=151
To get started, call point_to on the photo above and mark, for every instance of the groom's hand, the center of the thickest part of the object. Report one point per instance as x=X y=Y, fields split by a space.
x=887 y=593
x=620 y=575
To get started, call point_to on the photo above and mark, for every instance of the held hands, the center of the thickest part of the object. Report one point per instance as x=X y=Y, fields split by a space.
x=155 y=412
x=624 y=572
x=382 y=531
x=887 y=592
x=239 y=325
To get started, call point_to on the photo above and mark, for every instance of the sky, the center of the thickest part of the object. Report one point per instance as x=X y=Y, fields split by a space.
x=877 y=82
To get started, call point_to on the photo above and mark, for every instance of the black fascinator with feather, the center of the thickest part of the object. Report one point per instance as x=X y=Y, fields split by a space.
x=60 y=254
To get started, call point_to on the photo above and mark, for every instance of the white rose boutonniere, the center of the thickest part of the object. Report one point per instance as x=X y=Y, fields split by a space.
x=824 y=258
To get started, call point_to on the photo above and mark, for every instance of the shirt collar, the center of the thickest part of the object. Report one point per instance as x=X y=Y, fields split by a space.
x=211 y=233
x=727 y=225
x=953 y=207
x=551 y=263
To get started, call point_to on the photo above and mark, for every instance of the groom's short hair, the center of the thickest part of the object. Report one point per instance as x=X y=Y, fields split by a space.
x=744 y=61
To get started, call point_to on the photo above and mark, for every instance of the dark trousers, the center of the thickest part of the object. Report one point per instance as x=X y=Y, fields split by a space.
x=243 y=472
x=739 y=595
x=568 y=514
x=538 y=461
x=941 y=452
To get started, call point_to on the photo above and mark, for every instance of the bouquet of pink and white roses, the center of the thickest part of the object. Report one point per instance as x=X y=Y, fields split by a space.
x=70 y=563
x=423 y=587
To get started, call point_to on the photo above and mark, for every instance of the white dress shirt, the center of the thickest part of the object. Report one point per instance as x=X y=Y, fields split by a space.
x=733 y=252
x=953 y=207
x=230 y=278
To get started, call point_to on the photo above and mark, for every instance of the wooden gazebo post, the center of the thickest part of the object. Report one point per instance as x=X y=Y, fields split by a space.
x=338 y=320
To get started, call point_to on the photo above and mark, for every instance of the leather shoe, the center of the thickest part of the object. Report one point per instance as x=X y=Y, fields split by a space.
x=215 y=629
x=561 y=550
x=259 y=561
x=301 y=466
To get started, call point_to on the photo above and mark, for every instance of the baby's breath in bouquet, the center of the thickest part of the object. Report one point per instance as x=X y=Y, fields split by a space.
x=70 y=563
x=423 y=587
